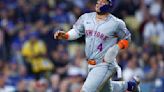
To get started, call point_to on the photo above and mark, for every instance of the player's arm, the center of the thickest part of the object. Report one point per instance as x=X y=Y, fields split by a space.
x=124 y=36
x=110 y=56
x=76 y=32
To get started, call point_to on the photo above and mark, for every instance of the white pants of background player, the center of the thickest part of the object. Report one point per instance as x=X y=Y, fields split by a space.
x=99 y=76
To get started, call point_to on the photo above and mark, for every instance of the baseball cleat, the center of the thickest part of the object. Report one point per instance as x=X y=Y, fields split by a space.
x=136 y=88
x=133 y=85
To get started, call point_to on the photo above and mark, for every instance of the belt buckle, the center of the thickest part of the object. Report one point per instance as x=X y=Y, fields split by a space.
x=92 y=62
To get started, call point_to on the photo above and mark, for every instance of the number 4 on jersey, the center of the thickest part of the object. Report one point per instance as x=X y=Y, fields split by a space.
x=100 y=47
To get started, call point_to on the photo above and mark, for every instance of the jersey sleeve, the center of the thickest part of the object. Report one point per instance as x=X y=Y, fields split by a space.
x=123 y=32
x=79 y=25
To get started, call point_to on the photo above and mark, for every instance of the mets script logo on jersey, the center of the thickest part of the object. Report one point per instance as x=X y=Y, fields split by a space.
x=96 y=34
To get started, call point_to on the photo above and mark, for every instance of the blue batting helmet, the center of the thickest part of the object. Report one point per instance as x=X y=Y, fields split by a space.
x=106 y=8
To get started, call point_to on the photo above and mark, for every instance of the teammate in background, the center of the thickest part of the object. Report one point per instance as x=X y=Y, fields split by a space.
x=105 y=35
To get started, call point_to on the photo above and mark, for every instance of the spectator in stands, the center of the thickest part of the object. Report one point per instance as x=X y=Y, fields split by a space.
x=41 y=86
x=64 y=85
x=2 y=47
x=22 y=86
x=34 y=52
x=4 y=87
x=153 y=31
x=153 y=70
x=55 y=81
x=132 y=69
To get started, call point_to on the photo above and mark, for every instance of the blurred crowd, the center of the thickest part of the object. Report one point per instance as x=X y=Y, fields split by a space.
x=32 y=60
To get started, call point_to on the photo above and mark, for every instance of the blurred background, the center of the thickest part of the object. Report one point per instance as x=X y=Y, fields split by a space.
x=31 y=60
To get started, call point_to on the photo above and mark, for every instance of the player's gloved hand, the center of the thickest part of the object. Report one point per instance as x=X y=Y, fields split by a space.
x=123 y=44
x=61 y=35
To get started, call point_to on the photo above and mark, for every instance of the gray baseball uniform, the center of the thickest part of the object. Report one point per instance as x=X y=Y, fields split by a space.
x=99 y=37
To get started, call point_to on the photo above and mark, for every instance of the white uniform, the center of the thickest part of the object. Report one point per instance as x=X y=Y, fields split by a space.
x=99 y=37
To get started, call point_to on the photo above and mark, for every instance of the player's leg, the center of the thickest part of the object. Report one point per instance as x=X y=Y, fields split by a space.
x=122 y=86
x=97 y=77
x=107 y=88
x=119 y=86
x=115 y=86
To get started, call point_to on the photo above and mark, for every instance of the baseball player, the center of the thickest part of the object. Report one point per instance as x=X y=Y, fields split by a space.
x=105 y=35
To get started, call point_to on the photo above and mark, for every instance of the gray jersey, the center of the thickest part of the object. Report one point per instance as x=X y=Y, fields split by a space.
x=100 y=36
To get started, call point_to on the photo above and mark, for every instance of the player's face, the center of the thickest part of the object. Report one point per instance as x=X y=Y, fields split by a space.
x=99 y=4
